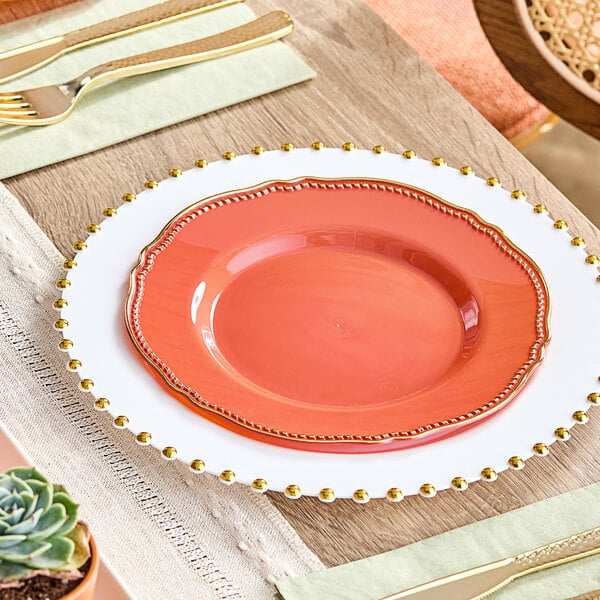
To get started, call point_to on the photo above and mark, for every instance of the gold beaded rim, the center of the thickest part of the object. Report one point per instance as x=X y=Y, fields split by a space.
x=293 y=491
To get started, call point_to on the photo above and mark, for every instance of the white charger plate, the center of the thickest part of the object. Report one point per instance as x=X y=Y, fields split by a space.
x=95 y=315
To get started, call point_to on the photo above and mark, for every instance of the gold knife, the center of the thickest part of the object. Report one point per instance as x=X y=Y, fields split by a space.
x=17 y=62
x=480 y=582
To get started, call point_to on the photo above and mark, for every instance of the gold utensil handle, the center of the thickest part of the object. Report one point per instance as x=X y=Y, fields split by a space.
x=577 y=546
x=271 y=27
x=152 y=16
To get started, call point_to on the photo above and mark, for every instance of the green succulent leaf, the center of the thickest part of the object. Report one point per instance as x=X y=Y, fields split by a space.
x=7 y=541
x=10 y=571
x=59 y=553
x=3 y=492
x=26 y=473
x=81 y=537
x=26 y=526
x=71 y=508
x=51 y=522
x=14 y=516
x=14 y=484
x=25 y=551
x=44 y=493
x=29 y=503
x=9 y=502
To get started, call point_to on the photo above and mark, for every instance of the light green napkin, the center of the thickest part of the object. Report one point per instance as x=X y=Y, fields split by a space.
x=486 y=541
x=124 y=109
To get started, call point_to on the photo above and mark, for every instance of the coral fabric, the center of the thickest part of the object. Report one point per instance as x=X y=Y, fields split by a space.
x=449 y=37
x=10 y=10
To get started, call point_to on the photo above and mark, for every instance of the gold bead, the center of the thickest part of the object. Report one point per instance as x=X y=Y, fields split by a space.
x=438 y=161
x=361 y=496
x=379 y=149
x=516 y=463
x=110 y=212
x=143 y=438
x=598 y=279
x=562 y=433
x=260 y=485
x=197 y=466
x=129 y=197
x=560 y=224
x=580 y=416
x=60 y=303
x=151 y=184
x=592 y=259
x=121 y=422
x=541 y=449
x=65 y=344
x=317 y=145
x=577 y=241
x=169 y=453
x=69 y=264
x=394 y=494
x=348 y=147
x=258 y=150
x=287 y=147
x=540 y=209
x=518 y=194
x=489 y=474
x=74 y=364
x=293 y=491
x=466 y=170
x=201 y=163
x=459 y=484
x=61 y=324
x=79 y=245
x=175 y=172
x=86 y=385
x=427 y=490
x=102 y=404
x=62 y=284
x=409 y=154
x=229 y=155
x=93 y=228
x=594 y=398
x=327 y=495
x=227 y=477
x=493 y=181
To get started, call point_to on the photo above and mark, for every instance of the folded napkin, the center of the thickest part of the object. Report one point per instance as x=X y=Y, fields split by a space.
x=476 y=544
x=125 y=109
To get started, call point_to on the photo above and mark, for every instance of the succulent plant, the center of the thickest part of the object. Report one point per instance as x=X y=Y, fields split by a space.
x=39 y=530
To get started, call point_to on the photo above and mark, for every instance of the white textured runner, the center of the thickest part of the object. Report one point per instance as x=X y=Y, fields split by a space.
x=170 y=534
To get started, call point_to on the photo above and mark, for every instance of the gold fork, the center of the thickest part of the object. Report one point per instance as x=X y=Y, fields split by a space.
x=53 y=103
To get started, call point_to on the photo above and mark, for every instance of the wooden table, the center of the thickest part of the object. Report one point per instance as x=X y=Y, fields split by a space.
x=371 y=89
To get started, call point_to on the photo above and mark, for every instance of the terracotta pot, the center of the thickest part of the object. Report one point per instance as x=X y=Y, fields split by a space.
x=85 y=590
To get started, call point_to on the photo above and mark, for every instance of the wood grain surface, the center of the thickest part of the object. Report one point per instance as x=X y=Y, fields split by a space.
x=11 y=10
x=527 y=65
x=371 y=89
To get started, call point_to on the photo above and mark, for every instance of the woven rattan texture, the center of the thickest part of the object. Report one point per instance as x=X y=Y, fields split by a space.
x=571 y=30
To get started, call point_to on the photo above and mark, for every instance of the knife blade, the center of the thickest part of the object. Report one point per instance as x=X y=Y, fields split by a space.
x=480 y=582
x=20 y=61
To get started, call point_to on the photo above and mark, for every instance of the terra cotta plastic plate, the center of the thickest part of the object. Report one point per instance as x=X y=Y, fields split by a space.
x=347 y=315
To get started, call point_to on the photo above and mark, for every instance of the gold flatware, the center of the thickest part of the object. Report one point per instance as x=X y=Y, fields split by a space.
x=53 y=103
x=18 y=62
x=480 y=582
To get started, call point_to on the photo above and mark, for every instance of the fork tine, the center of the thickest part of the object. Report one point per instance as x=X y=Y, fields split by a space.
x=13 y=105
x=11 y=96
x=17 y=114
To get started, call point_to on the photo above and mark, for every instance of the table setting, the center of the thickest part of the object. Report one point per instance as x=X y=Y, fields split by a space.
x=283 y=317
